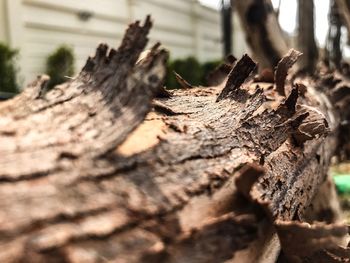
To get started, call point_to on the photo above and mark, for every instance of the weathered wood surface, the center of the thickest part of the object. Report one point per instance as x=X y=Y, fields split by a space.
x=103 y=169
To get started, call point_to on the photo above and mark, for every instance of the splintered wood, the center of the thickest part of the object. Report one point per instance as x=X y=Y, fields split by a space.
x=110 y=167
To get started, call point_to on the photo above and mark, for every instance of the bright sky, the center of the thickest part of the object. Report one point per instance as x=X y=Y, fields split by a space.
x=287 y=17
x=212 y=3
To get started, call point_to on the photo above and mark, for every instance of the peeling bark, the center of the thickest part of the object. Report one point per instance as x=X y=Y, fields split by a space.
x=282 y=70
x=103 y=168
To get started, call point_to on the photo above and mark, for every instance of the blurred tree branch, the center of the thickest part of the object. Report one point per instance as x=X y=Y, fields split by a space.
x=344 y=11
x=333 y=53
x=263 y=32
x=306 y=36
x=226 y=13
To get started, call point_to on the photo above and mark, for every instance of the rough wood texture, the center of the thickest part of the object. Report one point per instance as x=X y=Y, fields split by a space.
x=263 y=32
x=91 y=172
x=282 y=70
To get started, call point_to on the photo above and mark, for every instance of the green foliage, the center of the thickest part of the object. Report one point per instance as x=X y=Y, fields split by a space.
x=190 y=69
x=59 y=65
x=208 y=67
x=8 y=70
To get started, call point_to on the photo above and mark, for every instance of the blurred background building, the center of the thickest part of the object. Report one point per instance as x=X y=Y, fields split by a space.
x=37 y=27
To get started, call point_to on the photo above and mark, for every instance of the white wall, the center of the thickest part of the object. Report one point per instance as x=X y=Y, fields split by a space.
x=3 y=22
x=48 y=24
x=38 y=27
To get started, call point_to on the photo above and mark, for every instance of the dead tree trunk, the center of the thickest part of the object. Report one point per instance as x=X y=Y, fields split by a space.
x=102 y=169
x=306 y=36
x=263 y=32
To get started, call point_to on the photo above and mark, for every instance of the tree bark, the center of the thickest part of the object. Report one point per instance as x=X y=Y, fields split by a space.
x=263 y=33
x=108 y=167
x=344 y=10
x=306 y=36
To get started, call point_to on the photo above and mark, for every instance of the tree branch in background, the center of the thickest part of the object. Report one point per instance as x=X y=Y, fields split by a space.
x=306 y=36
x=263 y=32
x=226 y=15
x=344 y=11
x=278 y=9
x=333 y=53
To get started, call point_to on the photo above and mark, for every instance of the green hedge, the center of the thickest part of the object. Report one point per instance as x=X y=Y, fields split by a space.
x=8 y=69
x=208 y=67
x=190 y=69
x=59 y=65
